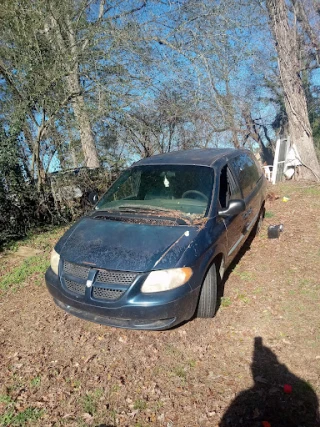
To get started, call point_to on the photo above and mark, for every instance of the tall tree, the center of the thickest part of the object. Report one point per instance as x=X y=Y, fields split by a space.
x=66 y=67
x=310 y=32
x=294 y=95
x=63 y=34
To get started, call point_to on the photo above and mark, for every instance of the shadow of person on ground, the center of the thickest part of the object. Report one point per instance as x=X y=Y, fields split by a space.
x=278 y=398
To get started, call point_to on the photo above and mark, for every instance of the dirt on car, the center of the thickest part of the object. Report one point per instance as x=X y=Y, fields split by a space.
x=257 y=363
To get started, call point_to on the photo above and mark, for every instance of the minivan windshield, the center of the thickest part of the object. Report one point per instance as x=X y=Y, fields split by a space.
x=184 y=188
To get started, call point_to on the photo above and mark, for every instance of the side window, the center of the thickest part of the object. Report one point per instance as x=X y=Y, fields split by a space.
x=228 y=189
x=259 y=169
x=247 y=173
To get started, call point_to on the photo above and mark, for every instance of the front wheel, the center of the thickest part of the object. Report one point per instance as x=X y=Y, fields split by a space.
x=207 y=305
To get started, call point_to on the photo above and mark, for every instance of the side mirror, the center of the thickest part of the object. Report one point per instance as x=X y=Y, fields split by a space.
x=234 y=208
x=93 y=197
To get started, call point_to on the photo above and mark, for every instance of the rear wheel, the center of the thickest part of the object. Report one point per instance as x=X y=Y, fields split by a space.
x=207 y=304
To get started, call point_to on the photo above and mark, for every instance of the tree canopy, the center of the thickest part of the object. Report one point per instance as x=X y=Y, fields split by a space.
x=95 y=83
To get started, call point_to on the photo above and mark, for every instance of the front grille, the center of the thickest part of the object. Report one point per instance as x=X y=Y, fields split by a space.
x=76 y=288
x=76 y=270
x=106 y=293
x=120 y=277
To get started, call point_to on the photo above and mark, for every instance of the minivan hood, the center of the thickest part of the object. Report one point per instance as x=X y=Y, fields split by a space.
x=125 y=246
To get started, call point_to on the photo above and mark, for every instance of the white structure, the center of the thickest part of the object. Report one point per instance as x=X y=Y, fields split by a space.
x=286 y=159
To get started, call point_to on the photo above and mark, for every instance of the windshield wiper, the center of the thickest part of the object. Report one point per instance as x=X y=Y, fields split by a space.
x=172 y=212
x=132 y=208
x=149 y=210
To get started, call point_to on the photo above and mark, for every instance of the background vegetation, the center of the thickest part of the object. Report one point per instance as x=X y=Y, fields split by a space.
x=101 y=84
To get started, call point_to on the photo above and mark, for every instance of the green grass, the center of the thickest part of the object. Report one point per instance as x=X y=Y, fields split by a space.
x=43 y=240
x=35 y=382
x=269 y=214
x=180 y=372
x=225 y=301
x=115 y=388
x=244 y=275
x=4 y=398
x=90 y=401
x=172 y=350
x=288 y=190
x=27 y=269
x=11 y=418
x=192 y=363
x=243 y=298
x=312 y=191
x=140 y=404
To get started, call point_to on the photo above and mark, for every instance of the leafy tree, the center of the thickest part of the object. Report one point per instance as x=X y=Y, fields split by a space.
x=294 y=95
x=65 y=66
x=16 y=200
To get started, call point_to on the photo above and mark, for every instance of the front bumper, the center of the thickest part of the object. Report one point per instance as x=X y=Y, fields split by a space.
x=157 y=311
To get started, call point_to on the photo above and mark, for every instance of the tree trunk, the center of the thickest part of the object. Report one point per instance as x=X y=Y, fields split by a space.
x=41 y=174
x=294 y=95
x=230 y=115
x=69 y=48
x=87 y=141
x=86 y=135
x=302 y=17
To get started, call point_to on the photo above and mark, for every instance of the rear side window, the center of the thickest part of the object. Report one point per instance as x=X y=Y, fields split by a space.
x=247 y=173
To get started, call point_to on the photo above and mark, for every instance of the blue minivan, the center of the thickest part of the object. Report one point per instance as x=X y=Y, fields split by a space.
x=154 y=250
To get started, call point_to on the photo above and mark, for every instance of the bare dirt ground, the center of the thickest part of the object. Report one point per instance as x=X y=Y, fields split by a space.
x=257 y=363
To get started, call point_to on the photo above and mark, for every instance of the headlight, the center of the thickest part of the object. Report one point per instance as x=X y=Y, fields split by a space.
x=54 y=261
x=164 y=280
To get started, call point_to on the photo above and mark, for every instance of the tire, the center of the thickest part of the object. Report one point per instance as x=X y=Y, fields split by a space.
x=258 y=225
x=207 y=305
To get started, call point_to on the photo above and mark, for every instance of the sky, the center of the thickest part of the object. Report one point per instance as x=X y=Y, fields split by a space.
x=245 y=73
